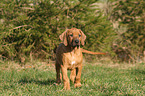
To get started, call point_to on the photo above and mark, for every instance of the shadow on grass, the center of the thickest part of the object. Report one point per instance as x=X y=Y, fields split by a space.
x=40 y=82
x=138 y=72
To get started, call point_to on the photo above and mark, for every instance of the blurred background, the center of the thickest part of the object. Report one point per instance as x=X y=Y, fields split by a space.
x=30 y=29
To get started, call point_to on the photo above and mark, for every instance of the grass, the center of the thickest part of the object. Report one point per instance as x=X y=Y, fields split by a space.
x=38 y=79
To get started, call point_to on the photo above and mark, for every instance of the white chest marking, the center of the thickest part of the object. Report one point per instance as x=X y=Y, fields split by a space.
x=73 y=62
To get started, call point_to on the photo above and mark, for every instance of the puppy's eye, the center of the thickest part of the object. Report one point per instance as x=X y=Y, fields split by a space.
x=79 y=35
x=71 y=35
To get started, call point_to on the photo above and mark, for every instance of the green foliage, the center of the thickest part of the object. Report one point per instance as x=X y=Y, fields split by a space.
x=31 y=28
x=130 y=14
x=100 y=35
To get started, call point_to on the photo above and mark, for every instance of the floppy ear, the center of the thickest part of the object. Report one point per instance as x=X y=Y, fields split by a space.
x=63 y=37
x=83 y=37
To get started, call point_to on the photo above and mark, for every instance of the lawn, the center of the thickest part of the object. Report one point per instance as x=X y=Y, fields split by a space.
x=38 y=79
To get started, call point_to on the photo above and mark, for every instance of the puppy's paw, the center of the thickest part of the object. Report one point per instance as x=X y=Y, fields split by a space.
x=66 y=88
x=57 y=83
x=78 y=85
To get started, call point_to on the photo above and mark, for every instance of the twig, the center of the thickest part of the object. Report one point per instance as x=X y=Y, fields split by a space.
x=28 y=8
x=19 y=27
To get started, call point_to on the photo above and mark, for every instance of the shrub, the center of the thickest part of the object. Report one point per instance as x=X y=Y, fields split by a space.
x=31 y=28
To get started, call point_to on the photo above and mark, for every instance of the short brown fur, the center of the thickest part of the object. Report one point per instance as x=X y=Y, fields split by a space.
x=69 y=56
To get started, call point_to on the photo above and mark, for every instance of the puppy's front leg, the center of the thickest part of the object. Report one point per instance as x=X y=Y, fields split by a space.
x=73 y=75
x=65 y=78
x=78 y=76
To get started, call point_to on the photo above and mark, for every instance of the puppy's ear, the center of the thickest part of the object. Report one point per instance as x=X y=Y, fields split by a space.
x=83 y=37
x=63 y=37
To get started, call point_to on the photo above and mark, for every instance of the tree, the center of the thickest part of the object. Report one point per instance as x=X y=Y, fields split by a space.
x=131 y=14
x=32 y=28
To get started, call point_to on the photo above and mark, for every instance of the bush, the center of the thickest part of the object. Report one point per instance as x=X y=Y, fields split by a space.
x=130 y=14
x=31 y=28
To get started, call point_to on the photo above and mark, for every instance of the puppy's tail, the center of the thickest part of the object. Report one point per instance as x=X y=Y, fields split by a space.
x=90 y=52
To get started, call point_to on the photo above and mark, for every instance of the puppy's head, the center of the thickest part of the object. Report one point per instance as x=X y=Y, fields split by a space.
x=73 y=37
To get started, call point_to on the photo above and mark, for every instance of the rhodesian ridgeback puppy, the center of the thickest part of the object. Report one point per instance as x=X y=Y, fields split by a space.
x=69 y=56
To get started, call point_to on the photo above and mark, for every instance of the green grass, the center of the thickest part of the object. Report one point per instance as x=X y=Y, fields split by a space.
x=97 y=79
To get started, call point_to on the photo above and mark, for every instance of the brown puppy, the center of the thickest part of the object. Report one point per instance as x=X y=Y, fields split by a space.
x=69 y=56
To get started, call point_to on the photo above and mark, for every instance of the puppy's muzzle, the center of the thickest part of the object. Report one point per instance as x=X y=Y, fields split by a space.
x=75 y=43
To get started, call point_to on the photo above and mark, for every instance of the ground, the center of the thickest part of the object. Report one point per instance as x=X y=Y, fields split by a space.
x=38 y=78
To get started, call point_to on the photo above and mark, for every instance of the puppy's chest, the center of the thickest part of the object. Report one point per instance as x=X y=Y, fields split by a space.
x=73 y=60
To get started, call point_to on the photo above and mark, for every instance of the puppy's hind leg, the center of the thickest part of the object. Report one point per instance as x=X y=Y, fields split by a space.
x=58 y=74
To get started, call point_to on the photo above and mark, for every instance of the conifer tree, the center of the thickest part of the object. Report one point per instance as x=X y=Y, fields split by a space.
x=31 y=28
x=131 y=14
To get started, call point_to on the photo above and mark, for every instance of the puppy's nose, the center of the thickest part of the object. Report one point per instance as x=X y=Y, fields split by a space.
x=76 y=41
